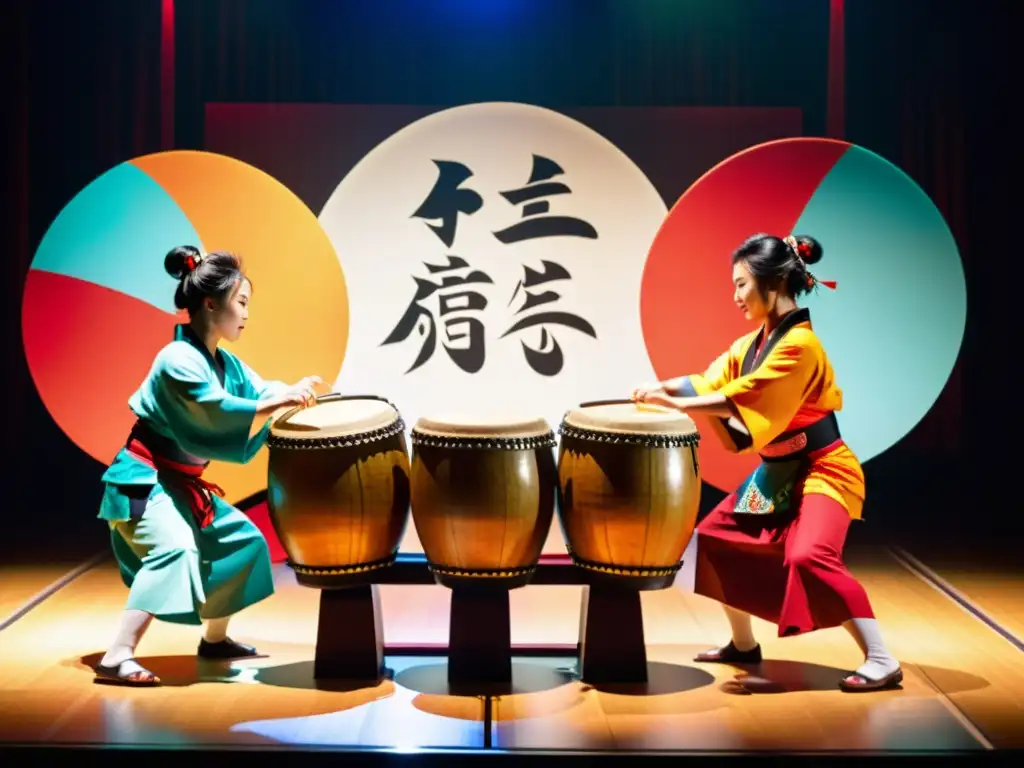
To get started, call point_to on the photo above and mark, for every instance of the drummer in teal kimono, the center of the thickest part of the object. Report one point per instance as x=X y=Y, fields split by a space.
x=186 y=555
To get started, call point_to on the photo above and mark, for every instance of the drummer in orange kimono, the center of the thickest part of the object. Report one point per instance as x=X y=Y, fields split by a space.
x=773 y=548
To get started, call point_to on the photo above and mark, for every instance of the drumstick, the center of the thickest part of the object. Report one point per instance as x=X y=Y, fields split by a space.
x=652 y=408
x=639 y=406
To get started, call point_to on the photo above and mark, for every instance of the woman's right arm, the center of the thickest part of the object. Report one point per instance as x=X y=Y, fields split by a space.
x=269 y=407
x=203 y=417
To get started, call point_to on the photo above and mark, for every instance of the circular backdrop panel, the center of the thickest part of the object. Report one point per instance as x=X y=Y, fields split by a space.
x=893 y=328
x=98 y=304
x=494 y=254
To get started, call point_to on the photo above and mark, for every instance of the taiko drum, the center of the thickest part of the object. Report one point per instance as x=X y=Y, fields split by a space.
x=628 y=491
x=338 y=488
x=483 y=497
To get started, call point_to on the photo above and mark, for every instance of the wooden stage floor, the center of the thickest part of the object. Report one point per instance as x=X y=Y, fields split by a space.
x=963 y=689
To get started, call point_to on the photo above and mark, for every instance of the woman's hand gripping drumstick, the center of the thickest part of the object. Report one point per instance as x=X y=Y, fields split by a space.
x=308 y=389
x=303 y=394
x=638 y=394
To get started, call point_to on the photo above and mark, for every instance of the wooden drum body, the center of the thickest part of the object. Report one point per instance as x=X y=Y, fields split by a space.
x=338 y=488
x=628 y=491
x=483 y=497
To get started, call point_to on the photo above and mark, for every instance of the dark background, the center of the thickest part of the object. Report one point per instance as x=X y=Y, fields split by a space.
x=929 y=86
x=310 y=147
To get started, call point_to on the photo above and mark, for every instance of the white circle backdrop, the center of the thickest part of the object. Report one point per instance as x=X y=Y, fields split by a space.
x=420 y=213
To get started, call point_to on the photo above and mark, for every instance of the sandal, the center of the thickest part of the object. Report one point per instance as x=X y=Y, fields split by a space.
x=226 y=649
x=112 y=675
x=856 y=682
x=730 y=655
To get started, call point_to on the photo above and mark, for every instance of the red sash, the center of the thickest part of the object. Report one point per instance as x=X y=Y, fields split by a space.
x=184 y=477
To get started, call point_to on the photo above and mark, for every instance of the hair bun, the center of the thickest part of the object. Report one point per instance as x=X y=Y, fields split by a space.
x=808 y=249
x=176 y=262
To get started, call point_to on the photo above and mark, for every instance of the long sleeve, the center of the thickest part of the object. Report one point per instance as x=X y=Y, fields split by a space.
x=258 y=388
x=712 y=379
x=201 y=415
x=722 y=370
x=768 y=398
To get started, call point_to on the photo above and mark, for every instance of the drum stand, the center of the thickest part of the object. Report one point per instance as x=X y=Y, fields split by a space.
x=479 y=637
x=350 y=635
x=611 y=647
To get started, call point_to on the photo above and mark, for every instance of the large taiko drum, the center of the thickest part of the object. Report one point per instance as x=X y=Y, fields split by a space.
x=483 y=498
x=338 y=488
x=628 y=491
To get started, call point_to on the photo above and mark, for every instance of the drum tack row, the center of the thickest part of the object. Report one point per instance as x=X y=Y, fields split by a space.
x=482 y=494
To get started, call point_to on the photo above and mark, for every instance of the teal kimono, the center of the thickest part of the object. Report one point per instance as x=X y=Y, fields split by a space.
x=203 y=408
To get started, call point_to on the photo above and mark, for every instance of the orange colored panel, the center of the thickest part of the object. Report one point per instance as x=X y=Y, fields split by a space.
x=298 y=317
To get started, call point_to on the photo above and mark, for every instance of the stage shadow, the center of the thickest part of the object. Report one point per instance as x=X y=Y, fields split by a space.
x=173 y=671
x=432 y=679
x=662 y=679
x=300 y=675
x=951 y=681
x=782 y=676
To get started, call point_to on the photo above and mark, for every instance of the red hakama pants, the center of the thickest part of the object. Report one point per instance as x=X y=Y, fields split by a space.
x=789 y=572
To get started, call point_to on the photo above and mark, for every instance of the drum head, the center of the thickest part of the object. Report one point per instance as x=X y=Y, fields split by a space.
x=482 y=426
x=631 y=418
x=336 y=418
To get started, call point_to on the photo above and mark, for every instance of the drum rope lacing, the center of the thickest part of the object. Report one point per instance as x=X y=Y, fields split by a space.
x=546 y=440
x=647 y=440
x=641 y=571
x=340 y=441
x=480 y=573
x=343 y=570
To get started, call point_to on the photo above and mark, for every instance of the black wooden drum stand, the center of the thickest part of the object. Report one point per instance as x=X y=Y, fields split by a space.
x=611 y=647
x=350 y=635
x=479 y=637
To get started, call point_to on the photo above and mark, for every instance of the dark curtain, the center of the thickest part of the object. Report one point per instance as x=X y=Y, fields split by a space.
x=82 y=79
x=555 y=53
x=930 y=86
x=926 y=82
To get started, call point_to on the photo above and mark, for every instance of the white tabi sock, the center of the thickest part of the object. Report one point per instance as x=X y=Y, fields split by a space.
x=742 y=630
x=878 y=661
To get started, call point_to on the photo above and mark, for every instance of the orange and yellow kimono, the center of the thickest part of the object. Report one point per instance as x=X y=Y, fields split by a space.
x=774 y=547
x=778 y=391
